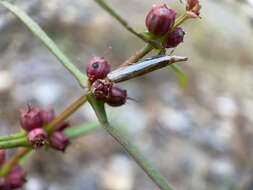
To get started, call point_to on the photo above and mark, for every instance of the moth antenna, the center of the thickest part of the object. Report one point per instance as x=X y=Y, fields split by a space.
x=132 y=99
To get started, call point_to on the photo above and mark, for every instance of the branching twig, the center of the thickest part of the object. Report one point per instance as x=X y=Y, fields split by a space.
x=131 y=149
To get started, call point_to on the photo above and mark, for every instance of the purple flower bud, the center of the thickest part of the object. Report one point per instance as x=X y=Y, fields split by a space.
x=47 y=116
x=175 y=38
x=97 y=68
x=37 y=138
x=2 y=157
x=30 y=118
x=16 y=178
x=101 y=89
x=117 y=97
x=160 y=19
x=59 y=141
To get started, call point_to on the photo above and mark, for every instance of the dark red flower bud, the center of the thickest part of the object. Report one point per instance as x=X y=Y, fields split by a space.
x=117 y=97
x=97 y=68
x=2 y=157
x=193 y=8
x=175 y=38
x=30 y=118
x=63 y=126
x=59 y=141
x=37 y=138
x=101 y=89
x=160 y=19
x=16 y=178
x=47 y=116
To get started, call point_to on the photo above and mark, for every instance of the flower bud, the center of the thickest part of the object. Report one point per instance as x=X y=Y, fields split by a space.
x=97 y=68
x=16 y=178
x=30 y=118
x=101 y=89
x=175 y=38
x=193 y=8
x=47 y=116
x=117 y=97
x=37 y=138
x=2 y=157
x=160 y=19
x=59 y=141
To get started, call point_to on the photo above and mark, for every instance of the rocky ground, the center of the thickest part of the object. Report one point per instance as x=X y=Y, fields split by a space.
x=200 y=137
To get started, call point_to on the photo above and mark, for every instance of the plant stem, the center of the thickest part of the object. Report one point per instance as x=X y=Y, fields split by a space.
x=78 y=131
x=124 y=23
x=14 y=143
x=66 y=113
x=13 y=161
x=132 y=150
x=138 y=55
x=13 y=136
x=47 y=41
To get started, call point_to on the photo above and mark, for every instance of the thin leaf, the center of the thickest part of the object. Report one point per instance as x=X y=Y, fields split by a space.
x=182 y=78
x=40 y=34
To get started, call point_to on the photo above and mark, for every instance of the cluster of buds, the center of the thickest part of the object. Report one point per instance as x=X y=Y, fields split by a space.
x=16 y=177
x=32 y=121
x=104 y=90
x=160 y=22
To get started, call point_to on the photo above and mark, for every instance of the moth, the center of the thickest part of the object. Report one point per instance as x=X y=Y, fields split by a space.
x=146 y=66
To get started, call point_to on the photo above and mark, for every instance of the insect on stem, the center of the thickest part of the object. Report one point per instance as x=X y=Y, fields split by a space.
x=146 y=66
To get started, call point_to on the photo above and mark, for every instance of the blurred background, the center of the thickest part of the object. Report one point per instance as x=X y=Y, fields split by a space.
x=200 y=137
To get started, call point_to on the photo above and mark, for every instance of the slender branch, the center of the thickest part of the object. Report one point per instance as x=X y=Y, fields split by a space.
x=14 y=143
x=47 y=41
x=13 y=136
x=132 y=150
x=66 y=113
x=13 y=161
x=124 y=23
x=81 y=130
x=138 y=55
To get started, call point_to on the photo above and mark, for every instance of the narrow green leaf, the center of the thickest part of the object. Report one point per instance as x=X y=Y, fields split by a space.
x=40 y=34
x=182 y=78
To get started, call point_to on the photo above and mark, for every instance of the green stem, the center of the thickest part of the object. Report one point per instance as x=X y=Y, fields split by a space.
x=138 y=55
x=13 y=136
x=14 y=143
x=47 y=41
x=132 y=150
x=66 y=113
x=21 y=153
x=81 y=130
x=124 y=23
